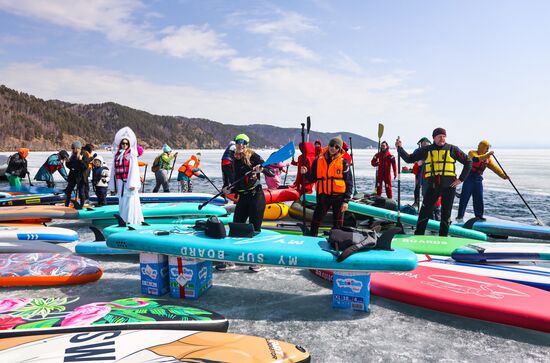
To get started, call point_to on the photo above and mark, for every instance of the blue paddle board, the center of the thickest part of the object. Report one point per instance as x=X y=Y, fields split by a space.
x=169 y=198
x=492 y=251
x=266 y=248
x=25 y=189
x=31 y=199
x=369 y=210
x=509 y=229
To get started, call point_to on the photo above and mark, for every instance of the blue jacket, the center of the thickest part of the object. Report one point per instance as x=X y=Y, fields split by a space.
x=50 y=166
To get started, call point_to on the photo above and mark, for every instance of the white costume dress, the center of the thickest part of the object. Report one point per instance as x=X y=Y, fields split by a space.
x=129 y=206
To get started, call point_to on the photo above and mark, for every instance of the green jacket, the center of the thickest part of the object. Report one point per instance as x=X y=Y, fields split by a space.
x=165 y=162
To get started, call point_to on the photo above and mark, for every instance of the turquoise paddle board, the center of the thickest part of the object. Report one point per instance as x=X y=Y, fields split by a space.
x=155 y=210
x=169 y=198
x=389 y=215
x=183 y=225
x=266 y=248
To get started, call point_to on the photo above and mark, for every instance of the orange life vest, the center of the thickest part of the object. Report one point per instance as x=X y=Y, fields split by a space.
x=330 y=178
x=184 y=168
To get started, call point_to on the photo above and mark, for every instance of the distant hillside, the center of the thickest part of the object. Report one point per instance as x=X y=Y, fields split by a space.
x=31 y=122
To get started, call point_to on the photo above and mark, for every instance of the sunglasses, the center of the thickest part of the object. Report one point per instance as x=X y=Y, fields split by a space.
x=241 y=142
x=337 y=147
x=124 y=143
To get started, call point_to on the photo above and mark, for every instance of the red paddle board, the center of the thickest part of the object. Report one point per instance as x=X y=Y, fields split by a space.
x=464 y=294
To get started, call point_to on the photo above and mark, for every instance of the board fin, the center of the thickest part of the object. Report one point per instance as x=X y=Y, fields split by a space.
x=120 y=221
x=384 y=241
x=98 y=235
x=470 y=223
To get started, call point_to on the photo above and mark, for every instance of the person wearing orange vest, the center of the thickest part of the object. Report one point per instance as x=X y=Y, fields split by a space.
x=333 y=183
x=187 y=170
x=473 y=185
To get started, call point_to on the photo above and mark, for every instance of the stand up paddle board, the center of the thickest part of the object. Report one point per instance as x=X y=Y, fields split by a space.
x=464 y=294
x=31 y=199
x=169 y=198
x=33 y=269
x=54 y=315
x=36 y=212
x=275 y=211
x=372 y=211
x=31 y=247
x=110 y=228
x=508 y=229
x=283 y=194
x=526 y=274
x=430 y=245
x=502 y=252
x=24 y=189
x=132 y=346
x=266 y=248
x=50 y=234
x=154 y=210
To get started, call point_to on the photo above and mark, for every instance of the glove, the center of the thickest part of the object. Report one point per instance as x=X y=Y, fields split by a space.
x=226 y=190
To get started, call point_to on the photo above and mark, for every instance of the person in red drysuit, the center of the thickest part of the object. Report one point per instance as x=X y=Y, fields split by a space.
x=346 y=155
x=309 y=152
x=385 y=161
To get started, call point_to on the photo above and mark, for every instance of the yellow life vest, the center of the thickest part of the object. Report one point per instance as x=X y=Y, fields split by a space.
x=440 y=162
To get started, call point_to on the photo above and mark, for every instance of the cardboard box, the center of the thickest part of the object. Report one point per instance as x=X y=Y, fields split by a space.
x=351 y=290
x=154 y=273
x=189 y=278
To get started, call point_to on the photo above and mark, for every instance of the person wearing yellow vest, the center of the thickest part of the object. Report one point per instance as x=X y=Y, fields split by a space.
x=333 y=183
x=440 y=162
x=187 y=170
x=473 y=185
x=165 y=165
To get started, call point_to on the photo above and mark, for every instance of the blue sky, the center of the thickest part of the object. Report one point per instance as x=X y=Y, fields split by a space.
x=481 y=69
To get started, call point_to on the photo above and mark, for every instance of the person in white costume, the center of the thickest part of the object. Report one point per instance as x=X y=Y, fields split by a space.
x=125 y=176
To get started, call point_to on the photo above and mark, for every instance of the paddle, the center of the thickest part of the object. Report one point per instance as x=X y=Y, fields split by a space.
x=210 y=181
x=29 y=177
x=173 y=165
x=539 y=222
x=278 y=156
x=399 y=224
x=380 y=134
x=303 y=186
x=308 y=127
x=144 y=176
x=352 y=166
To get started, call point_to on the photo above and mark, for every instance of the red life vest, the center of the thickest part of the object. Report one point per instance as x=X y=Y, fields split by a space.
x=480 y=166
x=122 y=167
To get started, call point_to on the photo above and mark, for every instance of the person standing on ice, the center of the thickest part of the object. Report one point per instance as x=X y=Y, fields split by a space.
x=385 y=162
x=125 y=181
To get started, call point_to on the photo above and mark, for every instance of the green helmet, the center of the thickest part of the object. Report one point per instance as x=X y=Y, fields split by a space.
x=242 y=137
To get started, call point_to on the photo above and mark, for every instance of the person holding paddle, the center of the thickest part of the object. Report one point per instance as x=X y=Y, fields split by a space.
x=247 y=166
x=439 y=159
x=473 y=185
x=161 y=166
x=334 y=184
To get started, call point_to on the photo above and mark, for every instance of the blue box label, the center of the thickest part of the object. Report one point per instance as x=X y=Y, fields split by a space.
x=154 y=274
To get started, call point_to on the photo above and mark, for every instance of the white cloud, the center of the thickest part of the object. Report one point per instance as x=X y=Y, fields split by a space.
x=245 y=65
x=347 y=63
x=115 y=19
x=288 y=22
x=191 y=40
x=287 y=45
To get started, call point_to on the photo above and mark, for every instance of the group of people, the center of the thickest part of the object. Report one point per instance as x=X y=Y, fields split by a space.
x=327 y=169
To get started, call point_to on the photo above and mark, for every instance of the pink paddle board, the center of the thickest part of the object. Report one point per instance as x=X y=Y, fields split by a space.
x=464 y=294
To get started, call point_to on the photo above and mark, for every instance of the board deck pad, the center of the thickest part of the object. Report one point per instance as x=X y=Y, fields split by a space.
x=28 y=316
x=131 y=346
x=405 y=219
x=33 y=269
x=266 y=248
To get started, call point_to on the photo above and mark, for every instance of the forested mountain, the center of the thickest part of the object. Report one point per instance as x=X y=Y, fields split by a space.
x=31 y=122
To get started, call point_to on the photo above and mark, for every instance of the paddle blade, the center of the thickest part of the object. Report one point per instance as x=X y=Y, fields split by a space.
x=284 y=153
x=380 y=130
